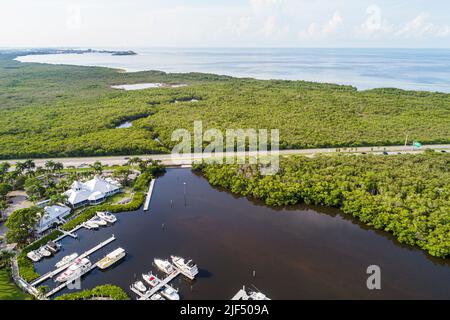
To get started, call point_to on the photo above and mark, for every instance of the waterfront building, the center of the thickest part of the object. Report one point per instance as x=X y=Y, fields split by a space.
x=91 y=192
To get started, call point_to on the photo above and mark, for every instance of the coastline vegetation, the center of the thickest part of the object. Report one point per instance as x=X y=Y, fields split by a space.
x=60 y=111
x=103 y=292
x=406 y=195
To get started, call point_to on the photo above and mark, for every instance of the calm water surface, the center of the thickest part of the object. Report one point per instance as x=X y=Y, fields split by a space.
x=298 y=253
x=414 y=69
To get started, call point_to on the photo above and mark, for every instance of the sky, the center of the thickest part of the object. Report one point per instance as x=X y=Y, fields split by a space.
x=225 y=23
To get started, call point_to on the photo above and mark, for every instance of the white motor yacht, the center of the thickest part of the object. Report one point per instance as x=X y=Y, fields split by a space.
x=107 y=216
x=99 y=221
x=157 y=297
x=151 y=279
x=44 y=252
x=139 y=285
x=66 y=260
x=90 y=225
x=170 y=293
x=164 y=265
x=188 y=268
x=34 y=256
x=75 y=270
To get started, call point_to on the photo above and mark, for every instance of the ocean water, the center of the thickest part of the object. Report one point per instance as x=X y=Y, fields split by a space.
x=411 y=69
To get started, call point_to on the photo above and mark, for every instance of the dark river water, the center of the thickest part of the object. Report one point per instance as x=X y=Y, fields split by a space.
x=296 y=253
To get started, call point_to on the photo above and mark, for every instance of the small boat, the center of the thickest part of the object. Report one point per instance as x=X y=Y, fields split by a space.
x=188 y=268
x=111 y=258
x=164 y=265
x=34 y=256
x=99 y=222
x=170 y=293
x=157 y=297
x=66 y=260
x=107 y=216
x=254 y=295
x=53 y=246
x=44 y=252
x=151 y=279
x=139 y=285
x=75 y=270
x=90 y=225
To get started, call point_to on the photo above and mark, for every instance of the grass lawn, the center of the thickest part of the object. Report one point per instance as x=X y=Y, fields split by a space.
x=126 y=193
x=8 y=290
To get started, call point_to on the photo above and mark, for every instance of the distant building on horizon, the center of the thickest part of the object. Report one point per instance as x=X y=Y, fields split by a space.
x=91 y=192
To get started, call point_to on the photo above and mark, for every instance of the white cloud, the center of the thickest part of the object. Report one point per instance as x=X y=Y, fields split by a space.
x=322 y=31
x=420 y=27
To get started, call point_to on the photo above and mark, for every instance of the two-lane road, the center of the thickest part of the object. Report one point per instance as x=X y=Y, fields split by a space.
x=169 y=159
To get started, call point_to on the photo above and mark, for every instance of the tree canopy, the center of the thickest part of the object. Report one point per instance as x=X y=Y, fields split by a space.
x=406 y=195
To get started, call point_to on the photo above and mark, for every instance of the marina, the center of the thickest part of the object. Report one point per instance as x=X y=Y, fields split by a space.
x=63 y=267
x=288 y=253
x=172 y=270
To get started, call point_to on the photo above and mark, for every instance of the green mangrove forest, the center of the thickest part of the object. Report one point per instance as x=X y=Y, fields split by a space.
x=406 y=195
x=59 y=111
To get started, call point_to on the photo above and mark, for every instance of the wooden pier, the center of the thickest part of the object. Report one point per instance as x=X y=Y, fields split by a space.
x=51 y=274
x=65 y=284
x=163 y=283
x=149 y=194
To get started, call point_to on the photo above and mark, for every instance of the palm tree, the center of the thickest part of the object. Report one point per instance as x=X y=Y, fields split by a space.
x=20 y=167
x=133 y=161
x=98 y=167
x=58 y=166
x=50 y=166
x=29 y=164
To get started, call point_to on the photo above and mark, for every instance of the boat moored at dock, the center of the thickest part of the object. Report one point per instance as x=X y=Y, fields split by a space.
x=44 y=252
x=107 y=216
x=256 y=295
x=188 y=268
x=99 y=222
x=66 y=260
x=111 y=258
x=151 y=279
x=53 y=246
x=75 y=270
x=170 y=293
x=34 y=256
x=245 y=294
x=139 y=285
x=90 y=225
x=157 y=297
x=164 y=265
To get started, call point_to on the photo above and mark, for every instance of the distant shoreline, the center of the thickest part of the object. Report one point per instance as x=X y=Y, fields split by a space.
x=363 y=69
x=34 y=52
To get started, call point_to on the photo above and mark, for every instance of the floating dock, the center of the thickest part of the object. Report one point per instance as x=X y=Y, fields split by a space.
x=161 y=285
x=158 y=287
x=65 y=284
x=70 y=233
x=149 y=194
x=51 y=274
